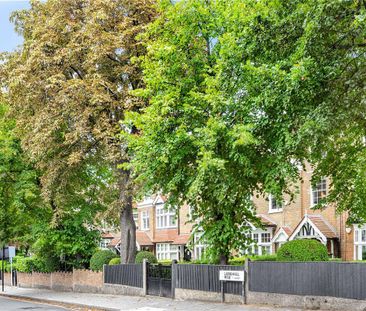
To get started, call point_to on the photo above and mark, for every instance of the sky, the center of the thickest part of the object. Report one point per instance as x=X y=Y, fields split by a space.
x=9 y=39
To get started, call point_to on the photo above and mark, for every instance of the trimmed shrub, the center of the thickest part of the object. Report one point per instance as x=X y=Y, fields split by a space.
x=302 y=250
x=267 y=257
x=145 y=255
x=100 y=258
x=165 y=262
x=240 y=261
x=115 y=261
x=237 y=261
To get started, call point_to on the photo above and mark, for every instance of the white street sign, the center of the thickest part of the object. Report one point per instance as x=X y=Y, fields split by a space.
x=230 y=275
x=11 y=251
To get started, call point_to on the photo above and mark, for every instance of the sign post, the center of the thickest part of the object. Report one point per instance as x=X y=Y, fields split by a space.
x=229 y=276
x=11 y=255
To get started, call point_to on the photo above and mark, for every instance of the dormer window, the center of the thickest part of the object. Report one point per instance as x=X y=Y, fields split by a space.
x=275 y=206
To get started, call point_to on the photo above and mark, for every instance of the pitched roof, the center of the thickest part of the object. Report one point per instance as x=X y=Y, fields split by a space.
x=165 y=236
x=114 y=242
x=143 y=239
x=181 y=239
x=265 y=220
x=286 y=229
x=323 y=226
x=107 y=235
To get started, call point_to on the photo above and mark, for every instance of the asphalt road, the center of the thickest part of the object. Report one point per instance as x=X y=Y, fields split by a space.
x=17 y=305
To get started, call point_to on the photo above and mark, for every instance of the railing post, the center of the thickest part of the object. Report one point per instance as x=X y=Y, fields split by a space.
x=144 y=276
x=246 y=281
x=104 y=273
x=173 y=276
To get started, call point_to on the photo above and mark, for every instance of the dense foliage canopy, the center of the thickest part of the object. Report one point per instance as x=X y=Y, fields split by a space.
x=242 y=94
x=68 y=86
x=235 y=96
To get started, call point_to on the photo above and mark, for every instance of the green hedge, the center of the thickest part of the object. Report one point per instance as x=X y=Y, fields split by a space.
x=302 y=250
x=239 y=261
x=29 y=264
x=165 y=262
x=100 y=258
x=145 y=255
x=115 y=261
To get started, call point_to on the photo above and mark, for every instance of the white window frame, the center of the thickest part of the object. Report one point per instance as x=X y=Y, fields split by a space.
x=166 y=251
x=319 y=189
x=257 y=248
x=359 y=241
x=165 y=217
x=104 y=243
x=145 y=220
x=271 y=201
x=199 y=246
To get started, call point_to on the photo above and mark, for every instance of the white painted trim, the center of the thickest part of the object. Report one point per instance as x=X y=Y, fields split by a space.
x=298 y=228
x=278 y=234
x=158 y=200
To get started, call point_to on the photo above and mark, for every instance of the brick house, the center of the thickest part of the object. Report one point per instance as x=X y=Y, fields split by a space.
x=167 y=233
x=164 y=231
x=298 y=219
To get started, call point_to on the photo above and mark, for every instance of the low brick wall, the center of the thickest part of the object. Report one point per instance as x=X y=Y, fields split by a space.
x=62 y=281
x=7 y=279
x=41 y=280
x=87 y=281
x=24 y=279
x=79 y=281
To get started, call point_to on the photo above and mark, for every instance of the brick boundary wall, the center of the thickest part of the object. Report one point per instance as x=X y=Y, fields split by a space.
x=62 y=281
x=87 y=281
x=7 y=279
x=41 y=280
x=25 y=279
x=79 y=281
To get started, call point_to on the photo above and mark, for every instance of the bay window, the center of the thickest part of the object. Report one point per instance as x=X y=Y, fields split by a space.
x=166 y=251
x=165 y=217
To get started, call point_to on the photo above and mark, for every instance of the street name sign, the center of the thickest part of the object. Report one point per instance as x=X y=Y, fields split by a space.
x=231 y=275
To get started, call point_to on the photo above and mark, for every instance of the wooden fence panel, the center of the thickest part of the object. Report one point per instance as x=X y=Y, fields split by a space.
x=205 y=278
x=129 y=274
x=335 y=279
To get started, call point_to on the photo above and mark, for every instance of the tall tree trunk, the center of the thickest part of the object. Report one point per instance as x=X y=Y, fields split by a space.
x=128 y=227
x=223 y=259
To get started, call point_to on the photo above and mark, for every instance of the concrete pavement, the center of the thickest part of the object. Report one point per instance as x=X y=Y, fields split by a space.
x=130 y=303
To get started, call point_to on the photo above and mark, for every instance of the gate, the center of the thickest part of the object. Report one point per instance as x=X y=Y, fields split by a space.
x=159 y=280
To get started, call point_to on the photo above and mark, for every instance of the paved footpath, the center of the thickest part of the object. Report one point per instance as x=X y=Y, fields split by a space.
x=130 y=303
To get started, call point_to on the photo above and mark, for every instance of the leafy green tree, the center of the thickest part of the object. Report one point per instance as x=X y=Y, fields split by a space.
x=26 y=219
x=21 y=205
x=244 y=92
x=192 y=146
x=298 y=69
x=68 y=86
